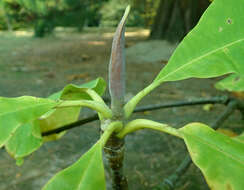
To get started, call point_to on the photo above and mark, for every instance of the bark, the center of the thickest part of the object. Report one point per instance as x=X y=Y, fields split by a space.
x=114 y=151
x=175 y=18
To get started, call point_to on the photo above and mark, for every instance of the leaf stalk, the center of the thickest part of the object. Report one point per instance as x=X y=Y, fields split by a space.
x=147 y=124
x=101 y=108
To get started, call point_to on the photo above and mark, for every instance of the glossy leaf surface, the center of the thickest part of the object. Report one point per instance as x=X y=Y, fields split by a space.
x=86 y=174
x=64 y=116
x=15 y=112
x=214 y=47
x=219 y=157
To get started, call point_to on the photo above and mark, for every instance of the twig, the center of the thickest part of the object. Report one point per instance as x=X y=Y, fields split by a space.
x=72 y=125
x=213 y=100
x=170 y=182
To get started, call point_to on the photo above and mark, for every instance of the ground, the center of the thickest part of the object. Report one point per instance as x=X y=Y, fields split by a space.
x=39 y=67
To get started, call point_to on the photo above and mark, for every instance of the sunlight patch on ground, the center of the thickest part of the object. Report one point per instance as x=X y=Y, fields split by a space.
x=96 y=43
x=138 y=33
x=21 y=33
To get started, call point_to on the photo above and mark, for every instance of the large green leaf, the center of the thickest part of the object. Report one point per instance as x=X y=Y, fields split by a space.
x=234 y=82
x=25 y=140
x=86 y=174
x=219 y=157
x=214 y=47
x=63 y=116
x=15 y=112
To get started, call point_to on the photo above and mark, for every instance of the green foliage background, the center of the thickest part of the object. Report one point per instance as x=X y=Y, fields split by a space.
x=45 y=15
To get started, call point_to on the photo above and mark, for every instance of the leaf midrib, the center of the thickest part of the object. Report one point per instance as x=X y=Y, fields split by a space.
x=84 y=173
x=216 y=148
x=200 y=57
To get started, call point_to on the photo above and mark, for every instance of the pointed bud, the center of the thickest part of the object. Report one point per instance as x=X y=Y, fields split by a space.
x=117 y=68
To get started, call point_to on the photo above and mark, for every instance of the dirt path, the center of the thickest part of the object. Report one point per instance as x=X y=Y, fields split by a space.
x=39 y=67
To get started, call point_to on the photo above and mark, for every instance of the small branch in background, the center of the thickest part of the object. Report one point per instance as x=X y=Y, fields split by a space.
x=200 y=101
x=240 y=107
x=170 y=182
x=72 y=125
x=231 y=106
x=213 y=100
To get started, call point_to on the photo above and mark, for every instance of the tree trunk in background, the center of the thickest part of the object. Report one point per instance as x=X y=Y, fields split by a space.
x=7 y=19
x=175 y=18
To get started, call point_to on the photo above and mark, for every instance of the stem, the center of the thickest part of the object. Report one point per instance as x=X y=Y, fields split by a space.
x=147 y=124
x=170 y=182
x=114 y=149
x=114 y=152
x=116 y=125
x=98 y=106
x=130 y=106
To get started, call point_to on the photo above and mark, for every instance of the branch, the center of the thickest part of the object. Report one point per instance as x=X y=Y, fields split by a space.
x=72 y=125
x=213 y=100
x=200 y=101
x=170 y=182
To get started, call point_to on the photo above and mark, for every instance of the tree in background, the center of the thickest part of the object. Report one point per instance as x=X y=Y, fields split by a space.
x=168 y=19
x=45 y=15
x=51 y=13
x=12 y=15
x=141 y=15
x=175 y=18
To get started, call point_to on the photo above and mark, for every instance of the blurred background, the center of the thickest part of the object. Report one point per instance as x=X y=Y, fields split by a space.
x=166 y=19
x=46 y=44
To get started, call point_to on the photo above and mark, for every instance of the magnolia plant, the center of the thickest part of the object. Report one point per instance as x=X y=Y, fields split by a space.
x=214 y=47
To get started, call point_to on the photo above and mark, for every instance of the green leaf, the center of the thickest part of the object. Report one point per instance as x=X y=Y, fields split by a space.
x=234 y=82
x=219 y=157
x=240 y=137
x=86 y=174
x=63 y=116
x=76 y=92
x=25 y=140
x=15 y=112
x=213 y=48
x=56 y=119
